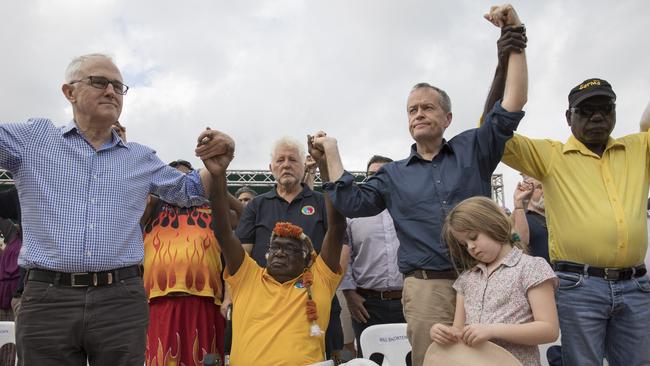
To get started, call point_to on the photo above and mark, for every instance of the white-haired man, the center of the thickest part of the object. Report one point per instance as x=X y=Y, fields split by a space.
x=83 y=190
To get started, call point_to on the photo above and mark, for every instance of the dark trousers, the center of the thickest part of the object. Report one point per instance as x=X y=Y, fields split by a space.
x=381 y=312
x=103 y=326
x=334 y=332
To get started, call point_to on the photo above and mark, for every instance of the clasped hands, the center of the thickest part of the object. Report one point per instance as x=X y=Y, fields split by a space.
x=216 y=149
x=471 y=335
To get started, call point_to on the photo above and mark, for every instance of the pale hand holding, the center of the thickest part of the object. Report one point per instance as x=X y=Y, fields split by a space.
x=211 y=143
x=503 y=15
x=319 y=143
x=315 y=152
x=444 y=334
x=475 y=334
x=217 y=150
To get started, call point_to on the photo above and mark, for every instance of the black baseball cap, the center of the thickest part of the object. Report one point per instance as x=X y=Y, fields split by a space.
x=588 y=89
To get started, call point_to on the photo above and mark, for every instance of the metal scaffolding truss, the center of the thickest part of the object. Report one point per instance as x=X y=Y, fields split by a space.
x=497 y=190
x=262 y=180
x=5 y=177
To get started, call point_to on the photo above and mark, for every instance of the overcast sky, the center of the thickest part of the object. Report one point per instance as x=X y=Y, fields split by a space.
x=259 y=70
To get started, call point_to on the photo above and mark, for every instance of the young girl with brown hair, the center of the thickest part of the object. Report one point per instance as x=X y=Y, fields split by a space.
x=503 y=295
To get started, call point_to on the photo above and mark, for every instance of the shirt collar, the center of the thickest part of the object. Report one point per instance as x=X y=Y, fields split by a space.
x=306 y=192
x=415 y=155
x=292 y=282
x=510 y=260
x=573 y=144
x=71 y=127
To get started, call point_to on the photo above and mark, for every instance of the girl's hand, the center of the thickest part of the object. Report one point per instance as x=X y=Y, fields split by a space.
x=475 y=334
x=444 y=334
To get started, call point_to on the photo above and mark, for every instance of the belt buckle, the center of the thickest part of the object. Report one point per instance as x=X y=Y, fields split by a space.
x=612 y=274
x=73 y=281
x=381 y=295
x=424 y=275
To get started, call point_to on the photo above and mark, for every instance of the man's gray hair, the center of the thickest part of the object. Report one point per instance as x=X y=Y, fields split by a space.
x=445 y=102
x=291 y=143
x=72 y=72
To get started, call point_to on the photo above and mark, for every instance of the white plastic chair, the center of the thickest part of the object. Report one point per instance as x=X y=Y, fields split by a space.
x=359 y=362
x=8 y=334
x=388 y=339
x=324 y=363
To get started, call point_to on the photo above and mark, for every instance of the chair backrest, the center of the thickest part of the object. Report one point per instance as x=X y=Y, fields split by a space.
x=7 y=333
x=388 y=339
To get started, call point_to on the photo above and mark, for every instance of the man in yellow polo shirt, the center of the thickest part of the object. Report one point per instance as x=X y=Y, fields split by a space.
x=281 y=311
x=595 y=190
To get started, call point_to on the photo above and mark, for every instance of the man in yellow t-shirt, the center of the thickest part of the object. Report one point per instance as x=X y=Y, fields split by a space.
x=595 y=190
x=281 y=311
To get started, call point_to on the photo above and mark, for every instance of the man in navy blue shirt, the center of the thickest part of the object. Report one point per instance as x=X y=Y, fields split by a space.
x=420 y=190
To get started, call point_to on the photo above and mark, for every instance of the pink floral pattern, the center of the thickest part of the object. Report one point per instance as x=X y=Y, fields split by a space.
x=501 y=297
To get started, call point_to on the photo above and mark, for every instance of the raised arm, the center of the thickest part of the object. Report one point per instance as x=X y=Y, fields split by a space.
x=644 y=124
x=231 y=248
x=516 y=85
x=513 y=39
x=521 y=197
x=210 y=144
x=333 y=241
x=310 y=172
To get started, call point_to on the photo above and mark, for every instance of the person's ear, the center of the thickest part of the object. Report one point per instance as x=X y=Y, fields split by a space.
x=67 y=92
x=449 y=117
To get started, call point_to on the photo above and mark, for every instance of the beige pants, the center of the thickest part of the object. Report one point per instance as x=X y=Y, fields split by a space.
x=346 y=319
x=426 y=302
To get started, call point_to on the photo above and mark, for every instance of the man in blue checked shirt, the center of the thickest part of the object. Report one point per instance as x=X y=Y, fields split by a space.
x=83 y=190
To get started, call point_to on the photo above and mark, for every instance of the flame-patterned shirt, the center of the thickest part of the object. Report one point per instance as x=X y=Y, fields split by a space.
x=181 y=253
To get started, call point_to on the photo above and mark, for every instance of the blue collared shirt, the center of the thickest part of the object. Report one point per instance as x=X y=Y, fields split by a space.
x=419 y=193
x=81 y=208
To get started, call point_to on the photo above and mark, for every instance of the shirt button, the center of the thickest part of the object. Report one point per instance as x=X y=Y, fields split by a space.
x=91 y=226
x=438 y=181
x=88 y=254
x=435 y=165
x=444 y=202
x=92 y=200
x=95 y=176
